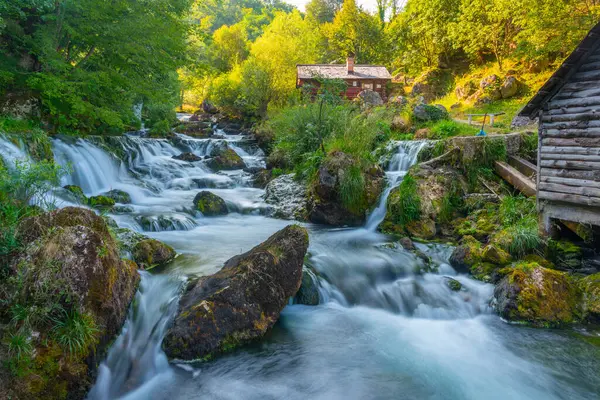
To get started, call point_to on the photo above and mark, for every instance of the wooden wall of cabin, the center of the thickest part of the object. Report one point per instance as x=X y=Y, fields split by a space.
x=569 y=138
x=351 y=90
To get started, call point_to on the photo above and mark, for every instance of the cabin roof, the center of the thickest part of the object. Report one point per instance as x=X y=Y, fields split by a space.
x=340 y=71
x=587 y=46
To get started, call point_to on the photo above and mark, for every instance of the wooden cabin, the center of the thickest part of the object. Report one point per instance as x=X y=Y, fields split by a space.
x=568 y=108
x=358 y=77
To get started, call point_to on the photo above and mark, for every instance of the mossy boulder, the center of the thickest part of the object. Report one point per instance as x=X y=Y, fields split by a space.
x=77 y=193
x=101 y=202
x=467 y=254
x=209 y=204
x=590 y=287
x=532 y=294
x=119 y=196
x=150 y=253
x=565 y=255
x=68 y=274
x=226 y=159
x=426 y=199
x=189 y=157
x=495 y=255
x=242 y=301
x=453 y=284
x=198 y=129
x=344 y=191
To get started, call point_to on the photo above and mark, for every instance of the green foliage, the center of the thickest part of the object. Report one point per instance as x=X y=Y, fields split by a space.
x=518 y=215
x=73 y=57
x=408 y=206
x=529 y=146
x=352 y=185
x=449 y=128
x=24 y=190
x=451 y=202
x=74 y=332
x=19 y=345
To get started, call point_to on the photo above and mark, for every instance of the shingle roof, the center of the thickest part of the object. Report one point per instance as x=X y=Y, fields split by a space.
x=340 y=71
x=587 y=46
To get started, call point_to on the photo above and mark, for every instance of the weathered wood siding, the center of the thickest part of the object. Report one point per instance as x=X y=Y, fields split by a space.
x=569 y=156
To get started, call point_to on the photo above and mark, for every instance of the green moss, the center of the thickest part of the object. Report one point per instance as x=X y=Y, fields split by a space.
x=564 y=254
x=150 y=253
x=590 y=287
x=101 y=202
x=404 y=204
x=352 y=189
x=544 y=297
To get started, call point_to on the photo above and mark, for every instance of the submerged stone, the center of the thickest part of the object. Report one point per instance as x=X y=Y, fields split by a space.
x=242 y=301
x=101 y=202
x=209 y=204
x=118 y=196
x=226 y=159
x=150 y=253
x=453 y=284
x=308 y=294
x=77 y=193
x=189 y=157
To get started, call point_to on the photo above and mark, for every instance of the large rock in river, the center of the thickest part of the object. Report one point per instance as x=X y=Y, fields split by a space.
x=344 y=191
x=210 y=204
x=538 y=296
x=241 y=301
x=70 y=276
x=287 y=198
x=226 y=159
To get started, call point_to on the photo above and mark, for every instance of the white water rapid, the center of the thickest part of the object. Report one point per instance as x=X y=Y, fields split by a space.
x=388 y=325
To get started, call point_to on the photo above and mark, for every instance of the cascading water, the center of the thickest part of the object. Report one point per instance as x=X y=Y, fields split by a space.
x=136 y=357
x=388 y=325
x=405 y=157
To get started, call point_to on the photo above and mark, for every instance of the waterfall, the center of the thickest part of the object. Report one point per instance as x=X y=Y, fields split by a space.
x=136 y=359
x=10 y=153
x=404 y=158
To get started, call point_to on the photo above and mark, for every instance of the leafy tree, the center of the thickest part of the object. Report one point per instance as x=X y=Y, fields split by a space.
x=322 y=11
x=487 y=26
x=230 y=46
x=353 y=31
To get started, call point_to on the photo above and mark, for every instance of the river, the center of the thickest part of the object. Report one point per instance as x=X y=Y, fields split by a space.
x=387 y=327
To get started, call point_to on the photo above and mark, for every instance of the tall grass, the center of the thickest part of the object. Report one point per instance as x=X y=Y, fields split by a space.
x=352 y=186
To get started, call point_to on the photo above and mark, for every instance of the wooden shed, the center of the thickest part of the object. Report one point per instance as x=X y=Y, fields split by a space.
x=568 y=108
x=358 y=77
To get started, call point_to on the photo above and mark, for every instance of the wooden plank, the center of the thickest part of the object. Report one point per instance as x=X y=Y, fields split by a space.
x=586 y=102
x=581 y=214
x=590 y=116
x=575 y=142
x=571 y=181
x=577 y=93
x=567 y=133
x=583 y=125
x=570 y=157
x=571 y=150
x=515 y=178
x=558 y=188
x=586 y=76
x=569 y=198
x=589 y=66
x=573 y=110
x=523 y=166
x=579 y=86
x=583 y=165
x=568 y=173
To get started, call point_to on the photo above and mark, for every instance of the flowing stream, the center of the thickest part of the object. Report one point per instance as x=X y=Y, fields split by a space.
x=388 y=326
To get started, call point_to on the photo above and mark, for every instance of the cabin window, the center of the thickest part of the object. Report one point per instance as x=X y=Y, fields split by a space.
x=367 y=86
x=354 y=83
x=379 y=86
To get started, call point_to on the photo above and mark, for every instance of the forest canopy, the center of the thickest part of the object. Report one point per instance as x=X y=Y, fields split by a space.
x=89 y=62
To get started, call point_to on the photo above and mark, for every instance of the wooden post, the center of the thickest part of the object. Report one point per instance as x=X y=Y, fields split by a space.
x=470 y=119
x=491 y=120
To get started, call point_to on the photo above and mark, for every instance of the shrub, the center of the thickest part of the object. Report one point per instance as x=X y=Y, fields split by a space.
x=408 y=205
x=448 y=128
x=352 y=187
x=159 y=114
x=74 y=332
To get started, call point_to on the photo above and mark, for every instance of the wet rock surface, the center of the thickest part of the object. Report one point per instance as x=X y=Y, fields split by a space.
x=242 y=301
x=71 y=270
x=209 y=204
x=287 y=198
